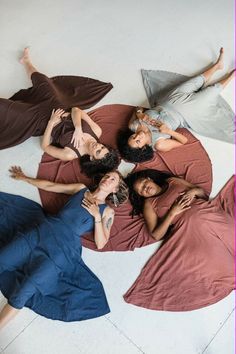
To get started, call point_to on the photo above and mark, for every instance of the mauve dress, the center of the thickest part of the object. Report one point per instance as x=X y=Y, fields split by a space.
x=194 y=267
x=27 y=112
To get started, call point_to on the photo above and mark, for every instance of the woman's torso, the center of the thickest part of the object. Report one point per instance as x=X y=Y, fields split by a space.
x=63 y=132
x=58 y=237
x=159 y=115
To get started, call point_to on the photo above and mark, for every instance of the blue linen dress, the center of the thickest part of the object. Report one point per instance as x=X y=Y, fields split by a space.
x=40 y=260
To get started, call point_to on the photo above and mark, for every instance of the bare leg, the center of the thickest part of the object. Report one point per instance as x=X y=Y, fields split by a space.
x=25 y=60
x=227 y=79
x=8 y=312
x=217 y=66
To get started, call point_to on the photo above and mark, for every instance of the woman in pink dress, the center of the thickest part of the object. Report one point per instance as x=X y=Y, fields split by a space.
x=194 y=267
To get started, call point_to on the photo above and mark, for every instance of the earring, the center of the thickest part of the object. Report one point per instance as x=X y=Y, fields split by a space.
x=115 y=200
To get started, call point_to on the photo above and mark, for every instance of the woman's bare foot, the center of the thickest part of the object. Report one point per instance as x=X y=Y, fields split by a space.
x=26 y=61
x=25 y=57
x=220 y=61
x=219 y=64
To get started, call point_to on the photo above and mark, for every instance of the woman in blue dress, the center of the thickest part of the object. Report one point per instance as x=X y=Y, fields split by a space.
x=40 y=255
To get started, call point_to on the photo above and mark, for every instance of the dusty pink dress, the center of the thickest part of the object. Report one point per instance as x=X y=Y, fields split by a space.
x=194 y=267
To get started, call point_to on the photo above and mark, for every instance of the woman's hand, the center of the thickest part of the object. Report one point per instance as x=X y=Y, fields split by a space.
x=163 y=128
x=179 y=206
x=92 y=208
x=189 y=195
x=17 y=173
x=56 y=117
x=77 y=138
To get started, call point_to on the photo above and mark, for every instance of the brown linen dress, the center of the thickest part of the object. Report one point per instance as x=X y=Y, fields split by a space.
x=194 y=267
x=63 y=132
x=27 y=112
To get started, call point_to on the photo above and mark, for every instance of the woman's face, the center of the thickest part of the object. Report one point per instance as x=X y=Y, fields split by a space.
x=97 y=150
x=145 y=187
x=110 y=182
x=137 y=140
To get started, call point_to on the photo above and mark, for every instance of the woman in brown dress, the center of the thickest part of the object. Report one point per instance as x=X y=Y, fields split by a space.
x=73 y=132
x=194 y=266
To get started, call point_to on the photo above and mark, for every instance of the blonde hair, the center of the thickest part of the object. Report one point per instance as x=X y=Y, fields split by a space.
x=122 y=193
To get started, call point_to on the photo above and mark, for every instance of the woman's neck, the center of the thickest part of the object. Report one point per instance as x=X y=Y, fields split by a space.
x=84 y=148
x=147 y=132
x=99 y=195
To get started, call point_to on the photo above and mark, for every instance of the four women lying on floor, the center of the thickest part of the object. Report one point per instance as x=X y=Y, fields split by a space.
x=40 y=256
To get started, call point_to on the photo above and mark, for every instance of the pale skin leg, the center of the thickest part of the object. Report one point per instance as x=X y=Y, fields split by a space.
x=219 y=64
x=25 y=60
x=7 y=314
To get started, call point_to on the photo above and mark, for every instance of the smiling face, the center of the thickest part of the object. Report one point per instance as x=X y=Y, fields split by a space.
x=97 y=151
x=110 y=182
x=137 y=140
x=145 y=187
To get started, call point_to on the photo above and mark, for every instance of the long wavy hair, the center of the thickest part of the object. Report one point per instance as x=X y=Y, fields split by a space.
x=121 y=195
x=158 y=177
x=108 y=163
x=133 y=154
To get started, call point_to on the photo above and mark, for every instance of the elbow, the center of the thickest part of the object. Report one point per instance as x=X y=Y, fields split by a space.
x=185 y=140
x=100 y=246
x=44 y=146
x=75 y=110
x=161 y=146
x=156 y=236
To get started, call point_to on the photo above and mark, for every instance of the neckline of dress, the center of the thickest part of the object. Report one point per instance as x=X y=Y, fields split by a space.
x=87 y=190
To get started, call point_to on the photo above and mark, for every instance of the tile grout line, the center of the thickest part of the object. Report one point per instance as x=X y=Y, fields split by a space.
x=19 y=333
x=217 y=331
x=123 y=334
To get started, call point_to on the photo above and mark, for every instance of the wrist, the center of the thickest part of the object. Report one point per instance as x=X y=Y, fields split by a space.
x=97 y=221
x=171 y=214
x=97 y=218
x=51 y=123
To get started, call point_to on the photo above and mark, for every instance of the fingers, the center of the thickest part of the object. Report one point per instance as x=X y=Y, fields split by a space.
x=15 y=169
x=183 y=202
x=57 y=112
x=15 y=172
x=88 y=202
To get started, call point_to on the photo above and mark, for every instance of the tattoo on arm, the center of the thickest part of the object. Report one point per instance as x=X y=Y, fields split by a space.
x=109 y=222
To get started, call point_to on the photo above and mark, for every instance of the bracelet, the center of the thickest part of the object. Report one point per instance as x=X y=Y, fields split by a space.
x=96 y=222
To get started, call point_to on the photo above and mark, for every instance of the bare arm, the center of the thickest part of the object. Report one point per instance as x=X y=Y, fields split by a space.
x=192 y=190
x=177 y=140
x=64 y=154
x=102 y=225
x=72 y=188
x=158 y=228
x=94 y=126
x=59 y=153
x=102 y=229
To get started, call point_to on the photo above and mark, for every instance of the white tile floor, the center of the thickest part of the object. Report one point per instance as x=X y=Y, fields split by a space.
x=112 y=40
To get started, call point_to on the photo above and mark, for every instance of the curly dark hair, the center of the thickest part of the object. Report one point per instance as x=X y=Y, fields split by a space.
x=136 y=200
x=108 y=163
x=122 y=193
x=133 y=154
